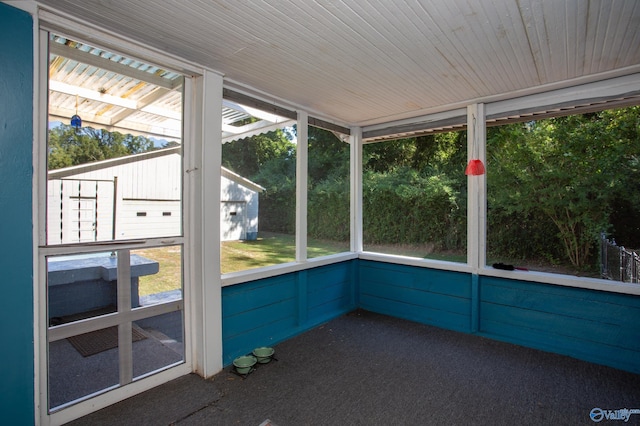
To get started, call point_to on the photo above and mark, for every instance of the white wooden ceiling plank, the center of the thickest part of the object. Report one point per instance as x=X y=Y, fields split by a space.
x=622 y=39
x=439 y=59
x=495 y=29
x=542 y=30
x=286 y=54
x=379 y=36
x=452 y=42
x=363 y=61
x=313 y=63
x=477 y=24
x=537 y=36
x=512 y=61
x=331 y=40
x=407 y=47
x=595 y=34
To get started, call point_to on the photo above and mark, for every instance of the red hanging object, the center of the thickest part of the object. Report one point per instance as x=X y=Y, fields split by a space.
x=474 y=168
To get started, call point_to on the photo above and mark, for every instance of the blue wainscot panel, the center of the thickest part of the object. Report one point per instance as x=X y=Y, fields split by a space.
x=265 y=312
x=592 y=325
x=428 y=296
x=329 y=290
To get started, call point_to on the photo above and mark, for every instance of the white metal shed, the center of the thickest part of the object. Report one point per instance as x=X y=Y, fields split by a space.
x=101 y=200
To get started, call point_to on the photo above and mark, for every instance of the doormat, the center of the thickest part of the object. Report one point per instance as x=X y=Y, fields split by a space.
x=101 y=340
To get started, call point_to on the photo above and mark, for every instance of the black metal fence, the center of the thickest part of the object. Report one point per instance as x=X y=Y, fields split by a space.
x=617 y=263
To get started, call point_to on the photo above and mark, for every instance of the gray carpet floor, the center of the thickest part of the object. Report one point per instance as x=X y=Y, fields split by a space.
x=365 y=369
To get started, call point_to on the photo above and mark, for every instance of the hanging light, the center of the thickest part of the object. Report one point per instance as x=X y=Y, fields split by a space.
x=76 y=121
x=475 y=166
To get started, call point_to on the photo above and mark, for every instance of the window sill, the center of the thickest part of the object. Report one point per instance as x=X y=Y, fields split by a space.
x=239 y=277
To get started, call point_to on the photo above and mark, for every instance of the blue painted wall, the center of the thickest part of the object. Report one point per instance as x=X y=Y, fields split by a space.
x=592 y=325
x=428 y=296
x=16 y=261
x=268 y=311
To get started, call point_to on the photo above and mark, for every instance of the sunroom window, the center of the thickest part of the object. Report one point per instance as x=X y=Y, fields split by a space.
x=415 y=198
x=559 y=188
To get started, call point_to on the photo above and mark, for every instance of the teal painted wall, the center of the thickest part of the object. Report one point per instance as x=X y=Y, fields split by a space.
x=428 y=296
x=268 y=311
x=16 y=261
x=592 y=325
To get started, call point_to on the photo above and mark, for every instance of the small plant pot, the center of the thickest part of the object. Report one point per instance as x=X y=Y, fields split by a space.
x=263 y=354
x=244 y=364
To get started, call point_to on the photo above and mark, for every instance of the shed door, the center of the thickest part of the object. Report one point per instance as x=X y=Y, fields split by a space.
x=84 y=218
x=233 y=215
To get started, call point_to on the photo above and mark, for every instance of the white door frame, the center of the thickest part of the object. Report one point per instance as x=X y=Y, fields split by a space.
x=203 y=344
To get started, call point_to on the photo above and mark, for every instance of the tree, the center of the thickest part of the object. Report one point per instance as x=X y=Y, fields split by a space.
x=248 y=155
x=414 y=191
x=328 y=186
x=68 y=146
x=571 y=169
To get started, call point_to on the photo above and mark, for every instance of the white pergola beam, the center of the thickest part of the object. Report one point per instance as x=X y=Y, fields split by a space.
x=109 y=65
x=144 y=102
x=94 y=95
x=123 y=127
x=255 y=131
x=254 y=112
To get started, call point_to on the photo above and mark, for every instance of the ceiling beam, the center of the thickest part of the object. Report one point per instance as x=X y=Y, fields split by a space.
x=316 y=122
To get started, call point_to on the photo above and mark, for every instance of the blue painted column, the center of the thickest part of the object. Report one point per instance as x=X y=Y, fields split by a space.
x=16 y=260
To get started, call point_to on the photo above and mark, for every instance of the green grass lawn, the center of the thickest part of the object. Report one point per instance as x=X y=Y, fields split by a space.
x=169 y=276
x=269 y=249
